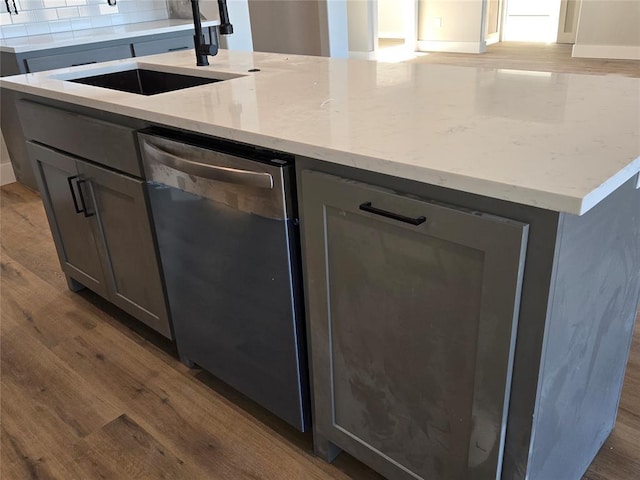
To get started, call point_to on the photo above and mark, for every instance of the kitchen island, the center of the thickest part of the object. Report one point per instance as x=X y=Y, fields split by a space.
x=553 y=158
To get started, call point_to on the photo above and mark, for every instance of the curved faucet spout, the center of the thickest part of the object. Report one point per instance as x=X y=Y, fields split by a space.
x=204 y=50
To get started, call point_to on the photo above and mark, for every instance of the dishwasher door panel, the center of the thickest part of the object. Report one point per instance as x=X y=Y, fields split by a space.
x=232 y=279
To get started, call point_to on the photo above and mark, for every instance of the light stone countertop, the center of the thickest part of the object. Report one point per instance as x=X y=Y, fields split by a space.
x=562 y=142
x=33 y=43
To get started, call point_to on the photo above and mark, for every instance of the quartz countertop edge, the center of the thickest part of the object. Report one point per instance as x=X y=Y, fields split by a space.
x=34 y=43
x=326 y=109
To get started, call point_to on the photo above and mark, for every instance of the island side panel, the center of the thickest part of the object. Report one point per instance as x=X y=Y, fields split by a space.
x=591 y=317
x=539 y=261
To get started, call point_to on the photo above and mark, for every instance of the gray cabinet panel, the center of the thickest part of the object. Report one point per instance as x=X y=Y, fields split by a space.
x=72 y=231
x=124 y=228
x=412 y=328
x=95 y=55
x=163 y=45
x=102 y=142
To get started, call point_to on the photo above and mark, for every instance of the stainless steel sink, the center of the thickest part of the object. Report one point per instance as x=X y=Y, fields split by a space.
x=145 y=82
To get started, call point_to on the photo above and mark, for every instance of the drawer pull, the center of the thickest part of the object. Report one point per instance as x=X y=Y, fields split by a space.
x=175 y=49
x=73 y=194
x=367 y=207
x=84 y=63
x=82 y=202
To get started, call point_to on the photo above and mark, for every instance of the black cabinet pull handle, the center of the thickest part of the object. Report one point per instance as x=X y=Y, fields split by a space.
x=73 y=194
x=367 y=207
x=84 y=63
x=84 y=205
x=175 y=49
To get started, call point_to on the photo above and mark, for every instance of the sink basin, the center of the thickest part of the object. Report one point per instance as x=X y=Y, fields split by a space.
x=144 y=82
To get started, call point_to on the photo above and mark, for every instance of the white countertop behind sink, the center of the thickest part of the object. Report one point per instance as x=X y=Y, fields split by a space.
x=94 y=35
x=557 y=141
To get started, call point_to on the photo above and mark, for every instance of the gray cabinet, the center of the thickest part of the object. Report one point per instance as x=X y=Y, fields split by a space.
x=122 y=225
x=101 y=227
x=412 y=315
x=61 y=190
x=162 y=45
x=73 y=59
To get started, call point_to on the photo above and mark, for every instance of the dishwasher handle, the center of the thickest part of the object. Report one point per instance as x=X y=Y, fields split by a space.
x=211 y=172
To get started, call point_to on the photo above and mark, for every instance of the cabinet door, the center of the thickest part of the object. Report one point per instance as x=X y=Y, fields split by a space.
x=413 y=309
x=58 y=179
x=124 y=229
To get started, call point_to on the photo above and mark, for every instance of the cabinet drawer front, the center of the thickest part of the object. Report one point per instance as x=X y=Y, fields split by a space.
x=413 y=310
x=101 y=142
x=163 y=45
x=95 y=55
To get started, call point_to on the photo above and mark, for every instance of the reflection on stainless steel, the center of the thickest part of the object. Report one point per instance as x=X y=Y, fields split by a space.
x=211 y=172
x=244 y=185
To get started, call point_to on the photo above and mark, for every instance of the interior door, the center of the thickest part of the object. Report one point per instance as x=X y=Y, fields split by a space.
x=124 y=231
x=64 y=196
x=493 y=21
x=531 y=20
x=568 y=23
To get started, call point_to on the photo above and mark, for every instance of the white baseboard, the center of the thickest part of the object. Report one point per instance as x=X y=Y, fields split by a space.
x=394 y=35
x=453 y=47
x=621 y=52
x=362 y=55
x=6 y=173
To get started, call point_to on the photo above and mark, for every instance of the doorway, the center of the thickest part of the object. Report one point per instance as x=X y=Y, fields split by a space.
x=531 y=20
x=396 y=34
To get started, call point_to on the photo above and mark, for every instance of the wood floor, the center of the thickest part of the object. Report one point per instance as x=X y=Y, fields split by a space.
x=92 y=394
x=87 y=393
x=533 y=56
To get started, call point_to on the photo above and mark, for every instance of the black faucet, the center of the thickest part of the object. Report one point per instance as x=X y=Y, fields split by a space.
x=204 y=50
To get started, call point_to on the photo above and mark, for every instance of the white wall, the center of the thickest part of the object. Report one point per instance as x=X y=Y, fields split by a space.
x=362 y=26
x=306 y=27
x=451 y=25
x=608 y=29
x=390 y=19
x=286 y=26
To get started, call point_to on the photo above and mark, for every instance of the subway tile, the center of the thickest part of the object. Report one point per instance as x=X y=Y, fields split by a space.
x=30 y=5
x=80 y=23
x=11 y=31
x=100 y=21
x=34 y=16
x=74 y=3
x=5 y=19
x=108 y=9
x=68 y=12
x=40 y=28
x=54 y=3
x=60 y=26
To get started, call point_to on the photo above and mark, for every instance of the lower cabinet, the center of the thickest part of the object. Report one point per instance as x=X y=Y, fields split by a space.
x=412 y=316
x=102 y=231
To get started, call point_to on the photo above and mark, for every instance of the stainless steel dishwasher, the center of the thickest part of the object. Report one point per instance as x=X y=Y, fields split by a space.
x=228 y=241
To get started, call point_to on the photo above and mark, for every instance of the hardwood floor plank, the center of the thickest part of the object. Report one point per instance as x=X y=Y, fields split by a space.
x=122 y=449
x=46 y=387
x=30 y=241
x=535 y=57
x=51 y=314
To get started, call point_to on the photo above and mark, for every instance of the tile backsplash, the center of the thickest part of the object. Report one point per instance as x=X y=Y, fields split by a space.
x=36 y=17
